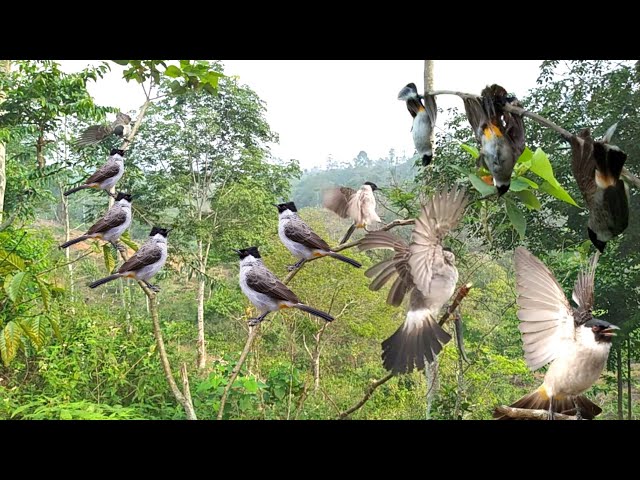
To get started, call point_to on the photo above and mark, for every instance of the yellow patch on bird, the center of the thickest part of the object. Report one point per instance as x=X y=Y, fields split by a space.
x=283 y=306
x=318 y=254
x=360 y=225
x=421 y=109
x=604 y=181
x=559 y=398
x=492 y=131
x=488 y=179
x=95 y=185
x=130 y=275
x=543 y=392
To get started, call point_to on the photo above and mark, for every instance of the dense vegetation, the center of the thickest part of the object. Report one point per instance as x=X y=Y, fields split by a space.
x=199 y=163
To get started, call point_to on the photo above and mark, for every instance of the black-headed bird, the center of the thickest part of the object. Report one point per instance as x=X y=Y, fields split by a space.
x=300 y=240
x=424 y=120
x=106 y=176
x=500 y=133
x=597 y=166
x=145 y=263
x=358 y=205
x=111 y=226
x=265 y=291
x=571 y=340
x=120 y=127
x=427 y=270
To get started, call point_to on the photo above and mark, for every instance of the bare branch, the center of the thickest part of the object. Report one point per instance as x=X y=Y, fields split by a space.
x=527 y=414
x=370 y=389
x=462 y=292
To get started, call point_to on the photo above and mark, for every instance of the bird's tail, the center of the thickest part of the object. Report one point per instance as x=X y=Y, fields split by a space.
x=342 y=258
x=74 y=241
x=539 y=400
x=76 y=189
x=92 y=135
x=609 y=162
x=104 y=280
x=313 y=311
x=347 y=235
x=418 y=339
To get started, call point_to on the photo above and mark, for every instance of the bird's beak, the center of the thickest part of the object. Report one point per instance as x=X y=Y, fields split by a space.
x=275 y=205
x=609 y=331
x=237 y=251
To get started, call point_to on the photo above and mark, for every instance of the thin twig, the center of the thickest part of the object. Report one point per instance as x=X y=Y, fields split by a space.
x=370 y=389
x=527 y=414
x=462 y=292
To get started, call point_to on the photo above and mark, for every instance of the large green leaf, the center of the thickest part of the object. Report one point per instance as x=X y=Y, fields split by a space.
x=173 y=71
x=109 y=261
x=34 y=329
x=516 y=216
x=16 y=285
x=558 y=192
x=479 y=185
x=10 y=340
x=126 y=239
x=121 y=62
x=10 y=262
x=45 y=293
x=529 y=199
x=517 y=185
x=54 y=321
x=473 y=151
x=525 y=156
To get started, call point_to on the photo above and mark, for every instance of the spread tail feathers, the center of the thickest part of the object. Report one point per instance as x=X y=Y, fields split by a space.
x=74 y=241
x=313 y=311
x=76 y=189
x=347 y=235
x=345 y=259
x=417 y=340
x=538 y=400
x=104 y=280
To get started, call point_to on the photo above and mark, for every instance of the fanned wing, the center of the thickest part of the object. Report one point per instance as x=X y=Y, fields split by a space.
x=108 y=170
x=439 y=215
x=475 y=114
x=94 y=135
x=583 y=290
x=147 y=254
x=337 y=200
x=113 y=218
x=298 y=231
x=546 y=318
x=263 y=281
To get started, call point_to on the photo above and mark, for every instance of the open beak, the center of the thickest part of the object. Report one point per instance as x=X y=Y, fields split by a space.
x=610 y=331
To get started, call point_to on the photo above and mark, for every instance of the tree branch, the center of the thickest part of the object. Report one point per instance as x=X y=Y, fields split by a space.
x=462 y=292
x=527 y=414
x=370 y=389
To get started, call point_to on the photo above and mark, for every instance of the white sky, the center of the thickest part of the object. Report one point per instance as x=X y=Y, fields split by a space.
x=338 y=107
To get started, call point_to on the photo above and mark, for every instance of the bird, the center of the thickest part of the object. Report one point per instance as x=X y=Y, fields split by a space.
x=427 y=270
x=597 y=166
x=300 y=240
x=106 y=176
x=358 y=205
x=424 y=120
x=500 y=133
x=113 y=224
x=145 y=263
x=571 y=340
x=265 y=291
x=120 y=127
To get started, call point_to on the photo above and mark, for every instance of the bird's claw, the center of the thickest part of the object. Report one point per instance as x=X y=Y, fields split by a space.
x=120 y=247
x=253 y=322
x=154 y=288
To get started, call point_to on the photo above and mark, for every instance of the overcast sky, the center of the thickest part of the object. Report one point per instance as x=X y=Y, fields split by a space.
x=338 y=107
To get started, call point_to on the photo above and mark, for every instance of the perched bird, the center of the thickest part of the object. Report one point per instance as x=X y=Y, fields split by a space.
x=145 y=263
x=424 y=120
x=120 y=127
x=301 y=241
x=574 y=343
x=500 y=133
x=114 y=223
x=427 y=270
x=265 y=291
x=597 y=167
x=106 y=176
x=358 y=205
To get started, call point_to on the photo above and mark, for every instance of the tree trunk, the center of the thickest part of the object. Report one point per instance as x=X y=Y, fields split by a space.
x=428 y=87
x=67 y=235
x=40 y=143
x=202 y=350
x=619 y=372
x=629 y=378
x=5 y=67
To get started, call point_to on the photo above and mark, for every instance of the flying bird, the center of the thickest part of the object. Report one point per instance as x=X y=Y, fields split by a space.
x=424 y=120
x=265 y=291
x=427 y=270
x=145 y=263
x=106 y=176
x=358 y=205
x=113 y=224
x=301 y=241
x=571 y=340
x=500 y=133
x=120 y=127
x=597 y=167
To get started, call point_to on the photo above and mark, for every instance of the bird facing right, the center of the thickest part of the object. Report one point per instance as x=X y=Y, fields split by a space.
x=358 y=205
x=574 y=342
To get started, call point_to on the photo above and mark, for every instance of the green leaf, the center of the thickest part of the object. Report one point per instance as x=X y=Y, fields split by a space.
x=10 y=342
x=525 y=156
x=541 y=166
x=173 y=71
x=10 y=262
x=531 y=183
x=54 y=318
x=45 y=293
x=124 y=63
x=458 y=168
x=516 y=217
x=33 y=328
x=126 y=239
x=558 y=192
x=473 y=151
x=529 y=199
x=65 y=414
x=479 y=185
x=109 y=261
x=15 y=286
x=518 y=185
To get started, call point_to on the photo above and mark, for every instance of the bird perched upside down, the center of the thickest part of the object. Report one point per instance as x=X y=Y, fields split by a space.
x=574 y=342
x=424 y=120
x=120 y=127
x=427 y=270
x=358 y=205
x=597 y=167
x=106 y=176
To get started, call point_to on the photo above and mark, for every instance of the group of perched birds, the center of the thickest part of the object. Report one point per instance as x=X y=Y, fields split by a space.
x=571 y=340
